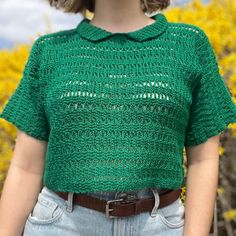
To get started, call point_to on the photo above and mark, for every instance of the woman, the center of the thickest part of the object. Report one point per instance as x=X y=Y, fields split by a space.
x=104 y=111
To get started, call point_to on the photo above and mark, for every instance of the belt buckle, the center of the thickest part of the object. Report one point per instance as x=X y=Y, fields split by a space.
x=125 y=197
x=108 y=209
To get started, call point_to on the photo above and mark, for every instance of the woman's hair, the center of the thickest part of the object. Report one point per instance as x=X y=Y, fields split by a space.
x=75 y=6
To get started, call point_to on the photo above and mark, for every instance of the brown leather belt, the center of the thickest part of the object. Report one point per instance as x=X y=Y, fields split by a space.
x=122 y=207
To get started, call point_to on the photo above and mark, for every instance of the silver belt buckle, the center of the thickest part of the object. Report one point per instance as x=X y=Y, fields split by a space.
x=124 y=197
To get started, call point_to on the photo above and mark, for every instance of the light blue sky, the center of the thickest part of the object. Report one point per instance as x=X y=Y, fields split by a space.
x=20 y=20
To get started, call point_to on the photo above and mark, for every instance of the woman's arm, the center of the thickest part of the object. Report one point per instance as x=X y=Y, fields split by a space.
x=201 y=186
x=22 y=185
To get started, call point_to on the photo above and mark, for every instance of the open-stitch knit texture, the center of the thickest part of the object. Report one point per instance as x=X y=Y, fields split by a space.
x=117 y=109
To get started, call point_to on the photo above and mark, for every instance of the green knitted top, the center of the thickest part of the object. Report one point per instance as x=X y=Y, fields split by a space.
x=117 y=109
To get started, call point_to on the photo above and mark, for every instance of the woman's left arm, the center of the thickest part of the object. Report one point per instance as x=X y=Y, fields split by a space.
x=201 y=186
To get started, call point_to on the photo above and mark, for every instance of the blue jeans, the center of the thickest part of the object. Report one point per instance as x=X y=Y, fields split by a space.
x=54 y=216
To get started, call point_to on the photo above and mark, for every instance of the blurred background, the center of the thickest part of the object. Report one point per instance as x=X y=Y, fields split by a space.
x=21 y=22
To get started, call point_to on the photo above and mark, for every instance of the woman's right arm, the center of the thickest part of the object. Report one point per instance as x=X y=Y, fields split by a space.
x=22 y=185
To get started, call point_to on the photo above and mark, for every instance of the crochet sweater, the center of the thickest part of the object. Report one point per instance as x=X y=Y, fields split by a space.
x=118 y=109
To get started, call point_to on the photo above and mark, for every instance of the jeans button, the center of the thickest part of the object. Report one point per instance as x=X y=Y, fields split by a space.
x=126 y=196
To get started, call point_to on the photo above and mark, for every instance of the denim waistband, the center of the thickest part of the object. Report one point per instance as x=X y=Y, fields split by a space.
x=114 y=194
x=140 y=193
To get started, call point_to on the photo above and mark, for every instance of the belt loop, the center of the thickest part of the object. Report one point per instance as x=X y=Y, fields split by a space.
x=157 y=202
x=69 y=202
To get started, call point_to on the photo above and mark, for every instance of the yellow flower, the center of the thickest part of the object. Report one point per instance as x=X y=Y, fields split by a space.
x=230 y=214
x=221 y=151
x=220 y=190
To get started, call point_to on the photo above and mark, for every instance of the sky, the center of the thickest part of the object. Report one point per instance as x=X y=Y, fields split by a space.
x=22 y=20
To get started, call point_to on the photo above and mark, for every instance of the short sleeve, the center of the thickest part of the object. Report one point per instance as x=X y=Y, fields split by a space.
x=24 y=108
x=212 y=108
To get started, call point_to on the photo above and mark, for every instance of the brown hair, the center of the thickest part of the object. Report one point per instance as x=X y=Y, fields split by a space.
x=75 y=6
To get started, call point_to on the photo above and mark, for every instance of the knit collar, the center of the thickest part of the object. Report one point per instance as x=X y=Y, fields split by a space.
x=94 y=33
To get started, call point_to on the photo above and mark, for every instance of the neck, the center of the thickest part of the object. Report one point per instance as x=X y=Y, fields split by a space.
x=119 y=16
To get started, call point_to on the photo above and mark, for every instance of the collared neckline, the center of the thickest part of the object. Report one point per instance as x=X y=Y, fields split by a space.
x=95 y=33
